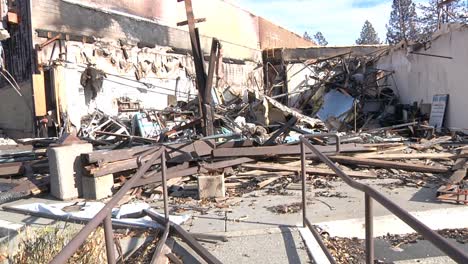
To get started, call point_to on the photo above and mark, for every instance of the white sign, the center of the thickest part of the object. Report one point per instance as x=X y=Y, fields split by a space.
x=439 y=105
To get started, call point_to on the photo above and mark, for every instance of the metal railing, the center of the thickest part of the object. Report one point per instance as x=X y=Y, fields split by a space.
x=104 y=217
x=370 y=195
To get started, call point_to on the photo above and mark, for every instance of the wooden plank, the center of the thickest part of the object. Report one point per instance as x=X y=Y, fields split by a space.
x=457 y=176
x=178 y=153
x=264 y=183
x=389 y=164
x=309 y=170
x=434 y=156
x=104 y=156
x=236 y=144
x=431 y=143
x=201 y=147
x=11 y=168
x=383 y=145
x=153 y=177
x=283 y=150
x=19 y=147
x=40 y=108
x=461 y=160
x=262 y=173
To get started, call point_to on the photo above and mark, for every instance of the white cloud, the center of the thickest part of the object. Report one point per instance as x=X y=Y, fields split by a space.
x=338 y=20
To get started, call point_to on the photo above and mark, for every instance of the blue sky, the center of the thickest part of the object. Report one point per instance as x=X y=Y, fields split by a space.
x=340 y=21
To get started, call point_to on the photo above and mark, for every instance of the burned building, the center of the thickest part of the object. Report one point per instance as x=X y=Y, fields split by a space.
x=69 y=58
x=195 y=131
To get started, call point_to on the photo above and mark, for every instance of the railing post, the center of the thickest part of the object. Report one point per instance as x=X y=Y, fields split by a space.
x=109 y=237
x=164 y=185
x=369 y=230
x=303 y=176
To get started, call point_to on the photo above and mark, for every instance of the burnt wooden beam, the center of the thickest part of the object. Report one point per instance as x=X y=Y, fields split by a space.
x=42 y=33
x=309 y=170
x=389 y=164
x=199 y=70
x=236 y=144
x=122 y=160
x=270 y=151
x=181 y=171
x=184 y=23
x=11 y=168
x=284 y=129
x=207 y=96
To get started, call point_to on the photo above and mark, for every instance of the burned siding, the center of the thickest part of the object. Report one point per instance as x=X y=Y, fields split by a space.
x=18 y=48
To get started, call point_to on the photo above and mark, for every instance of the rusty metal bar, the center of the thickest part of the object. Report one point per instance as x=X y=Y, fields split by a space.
x=369 y=230
x=80 y=238
x=325 y=135
x=164 y=185
x=303 y=176
x=187 y=238
x=109 y=236
x=319 y=240
x=440 y=242
x=161 y=243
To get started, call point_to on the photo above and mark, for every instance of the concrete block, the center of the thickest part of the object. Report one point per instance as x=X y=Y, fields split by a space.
x=211 y=186
x=66 y=170
x=96 y=188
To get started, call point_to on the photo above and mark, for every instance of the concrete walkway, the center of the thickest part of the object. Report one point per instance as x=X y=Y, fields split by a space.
x=258 y=235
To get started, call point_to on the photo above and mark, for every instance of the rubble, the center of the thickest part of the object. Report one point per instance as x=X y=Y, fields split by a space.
x=234 y=142
x=352 y=250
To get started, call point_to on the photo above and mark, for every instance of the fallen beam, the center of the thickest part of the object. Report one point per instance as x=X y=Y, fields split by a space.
x=316 y=171
x=201 y=147
x=431 y=143
x=154 y=177
x=11 y=168
x=283 y=150
x=177 y=153
x=433 y=156
x=389 y=164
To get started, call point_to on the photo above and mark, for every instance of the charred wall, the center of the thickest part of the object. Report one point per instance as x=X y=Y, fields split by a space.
x=16 y=108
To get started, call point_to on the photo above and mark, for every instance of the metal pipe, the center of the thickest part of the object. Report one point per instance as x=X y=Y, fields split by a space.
x=369 y=230
x=431 y=55
x=161 y=243
x=164 y=185
x=319 y=240
x=324 y=135
x=80 y=238
x=440 y=242
x=109 y=236
x=209 y=237
x=187 y=238
x=303 y=176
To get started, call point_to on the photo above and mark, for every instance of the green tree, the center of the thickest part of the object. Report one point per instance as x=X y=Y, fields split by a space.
x=402 y=23
x=368 y=35
x=320 y=39
x=432 y=15
x=307 y=36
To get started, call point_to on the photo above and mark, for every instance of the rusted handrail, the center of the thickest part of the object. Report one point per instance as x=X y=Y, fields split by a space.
x=104 y=216
x=370 y=193
x=104 y=213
